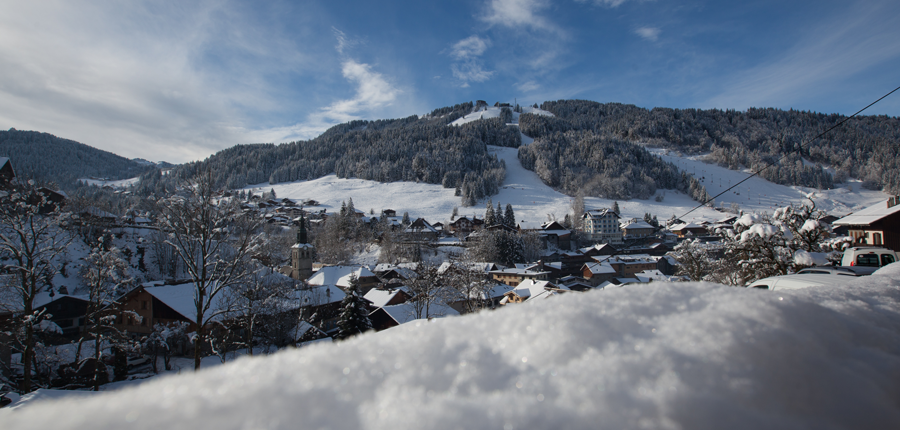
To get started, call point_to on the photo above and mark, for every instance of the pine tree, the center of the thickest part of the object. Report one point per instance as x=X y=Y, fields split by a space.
x=510 y=217
x=615 y=208
x=354 y=314
x=489 y=218
x=405 y=221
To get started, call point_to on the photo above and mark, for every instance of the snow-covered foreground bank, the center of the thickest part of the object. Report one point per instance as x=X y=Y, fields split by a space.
x=689 y=356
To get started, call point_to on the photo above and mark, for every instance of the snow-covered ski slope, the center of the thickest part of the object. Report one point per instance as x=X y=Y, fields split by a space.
x=658 y=356
x=534 y=202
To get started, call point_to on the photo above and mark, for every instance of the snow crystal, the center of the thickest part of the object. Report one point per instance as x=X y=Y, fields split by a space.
x=689 y=355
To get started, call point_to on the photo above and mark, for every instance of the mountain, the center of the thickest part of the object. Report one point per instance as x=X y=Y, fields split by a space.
x=865 y=147
x=47 y=158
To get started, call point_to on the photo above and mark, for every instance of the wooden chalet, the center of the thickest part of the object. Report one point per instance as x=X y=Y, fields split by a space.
x=877 y=225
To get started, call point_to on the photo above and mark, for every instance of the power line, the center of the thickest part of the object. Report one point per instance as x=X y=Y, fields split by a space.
x=785 y=155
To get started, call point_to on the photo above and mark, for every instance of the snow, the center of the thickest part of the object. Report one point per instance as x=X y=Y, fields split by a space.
x=806 y=258
x=535 y=203
x=658 y=355
x=759 y=195
x=689 y=355
x=122 y=183
x=494 y=112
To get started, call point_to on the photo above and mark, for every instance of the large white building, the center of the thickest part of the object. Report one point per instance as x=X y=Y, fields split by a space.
x=602 y=225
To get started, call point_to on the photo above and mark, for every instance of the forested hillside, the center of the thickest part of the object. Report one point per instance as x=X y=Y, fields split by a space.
x=411 y=149
x=579 y=161
x=47 y=158
x=864 y=148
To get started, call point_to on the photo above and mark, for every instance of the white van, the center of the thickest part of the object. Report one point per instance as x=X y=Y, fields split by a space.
x=869 y=256
x=795 y=282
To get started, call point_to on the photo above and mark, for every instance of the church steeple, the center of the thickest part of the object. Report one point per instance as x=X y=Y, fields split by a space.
x=302 y=253
x=302 y=235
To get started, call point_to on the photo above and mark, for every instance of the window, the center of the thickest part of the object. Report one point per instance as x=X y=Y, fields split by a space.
x=887 y=259
x=870 y=260
x=876 y=238
x=144 y=304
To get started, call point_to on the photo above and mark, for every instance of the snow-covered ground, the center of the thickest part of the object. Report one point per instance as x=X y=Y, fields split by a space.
x=689 y=356
x=759 y=195
x=122 y=183
x=494 y=112
x=534 y=202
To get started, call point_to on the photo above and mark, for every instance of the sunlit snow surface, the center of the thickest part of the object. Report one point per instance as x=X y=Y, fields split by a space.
x=691 y=356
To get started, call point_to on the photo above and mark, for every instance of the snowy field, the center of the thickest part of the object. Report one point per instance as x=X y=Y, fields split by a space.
x=759 y=195
x=122 y=183
x=673 y=356
x=534 y=202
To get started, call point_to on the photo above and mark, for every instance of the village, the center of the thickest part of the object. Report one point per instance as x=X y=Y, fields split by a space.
x=434 y=270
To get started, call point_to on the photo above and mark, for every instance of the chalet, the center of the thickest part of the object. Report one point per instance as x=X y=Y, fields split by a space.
x=688 y=230
x=465 y=225
x=68 y=312
x=145 y=306
x=575 y=283
x=486 y=297
x=628 y=265
x=394 y=315
x=7 y=174
x=554 y=235
x=637 y=230
x=875 y=225
x=320 y=305
x=380 y=298
x=602 y=225
x=598 y=273
x=421 y=231
x=388 y=213
x=340 y=276
x=93 y=215
x=514 y=277
x=531 y=290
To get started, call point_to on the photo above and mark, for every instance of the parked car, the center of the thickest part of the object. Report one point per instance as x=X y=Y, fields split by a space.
x=798 y=281
x=834 y=270
x=869 y=256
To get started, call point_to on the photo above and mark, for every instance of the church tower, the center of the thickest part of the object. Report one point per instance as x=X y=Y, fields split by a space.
x=302 y=253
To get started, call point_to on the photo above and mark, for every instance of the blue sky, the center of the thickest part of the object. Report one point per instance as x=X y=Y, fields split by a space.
x=178 y=81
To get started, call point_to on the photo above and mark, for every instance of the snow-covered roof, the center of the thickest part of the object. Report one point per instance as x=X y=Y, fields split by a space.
x=180 y=298
x=317 y=295
x=679 y=227
x=339 y=275
x=638 y=225
x=379 y=298
x=869 y=215
x=406 y=312
x=598 y=268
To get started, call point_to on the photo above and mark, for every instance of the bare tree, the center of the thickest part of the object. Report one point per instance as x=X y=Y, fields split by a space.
x=213 y=239
x=106 y=275
x=261 y=297
x=31 y=240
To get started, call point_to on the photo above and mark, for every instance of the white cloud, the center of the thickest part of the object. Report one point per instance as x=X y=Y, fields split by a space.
x=607 y=3
x=472 y=46
x=373 y=94
x=831 y=55
x=343 y=42
x=470 y=71
x=649 y=33
x=469 y=68
x=517 y=13
x=528 y=86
